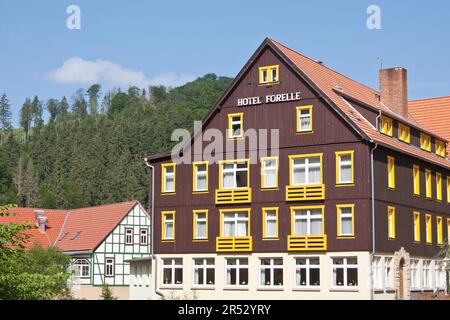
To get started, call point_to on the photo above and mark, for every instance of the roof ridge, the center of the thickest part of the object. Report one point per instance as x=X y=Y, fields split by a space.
x=104 y=205
x=427 y=99
x=324 y=66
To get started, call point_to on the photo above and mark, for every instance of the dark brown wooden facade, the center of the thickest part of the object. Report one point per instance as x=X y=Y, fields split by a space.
x=331 y=133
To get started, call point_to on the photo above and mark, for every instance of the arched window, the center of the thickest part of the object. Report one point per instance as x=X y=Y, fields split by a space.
x=82 y=268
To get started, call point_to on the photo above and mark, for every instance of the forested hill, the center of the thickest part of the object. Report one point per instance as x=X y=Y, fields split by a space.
x=91 y=149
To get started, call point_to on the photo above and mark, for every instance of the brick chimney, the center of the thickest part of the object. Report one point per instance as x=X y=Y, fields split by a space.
x=394 y=89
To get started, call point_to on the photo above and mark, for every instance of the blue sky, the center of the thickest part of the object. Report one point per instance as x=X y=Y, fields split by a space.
x=171 y=42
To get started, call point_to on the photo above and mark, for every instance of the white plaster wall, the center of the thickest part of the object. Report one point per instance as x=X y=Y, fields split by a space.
x=253 y=291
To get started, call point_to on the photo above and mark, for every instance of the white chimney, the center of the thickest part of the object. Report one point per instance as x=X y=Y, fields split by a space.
x=41 y=220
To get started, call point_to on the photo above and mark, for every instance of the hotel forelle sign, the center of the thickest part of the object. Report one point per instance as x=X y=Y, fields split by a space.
x=273 y=98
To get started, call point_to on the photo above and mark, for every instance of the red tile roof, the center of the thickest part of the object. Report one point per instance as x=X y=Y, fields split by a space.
x=53 y=226
x=94 y=224
x=433 y=113
x=330 y=82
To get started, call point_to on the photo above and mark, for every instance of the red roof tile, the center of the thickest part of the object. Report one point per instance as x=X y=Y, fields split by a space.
x=26 y=215
x=94 y=225
x=433 y=113
x=331 y=82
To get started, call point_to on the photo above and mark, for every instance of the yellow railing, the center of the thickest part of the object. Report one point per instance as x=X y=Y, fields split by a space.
x=305 y=193
x=231 y=196
x=233 y=244
x=307 y=243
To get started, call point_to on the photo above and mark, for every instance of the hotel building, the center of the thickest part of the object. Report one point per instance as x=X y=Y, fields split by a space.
x=351 y=202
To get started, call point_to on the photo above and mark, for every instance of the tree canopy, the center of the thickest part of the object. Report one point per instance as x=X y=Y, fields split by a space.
x=91 y=152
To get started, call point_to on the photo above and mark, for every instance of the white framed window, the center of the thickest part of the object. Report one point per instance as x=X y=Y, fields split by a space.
x=269 y=173
x=235 y=125
x=128 y=236
x=200 y=177
x=173 y=271
x=82 y=268
x=270 y=223
x=307 y=272
x=235 y=224
x=345 y=272
x=204 y=272
x=345 y=220
x=168 y=178
x=307 y=221
x=306 y=170
x=388 y=273
x=269 y=74
x=344 y=167
x=237 y=272
x=143 y=237
x=304 y=119
x=109 y=267
x=377 y=273
x=235 y=174
x=426 y=274
x=271 y=272
x=168 y=225
x=415 y=278
x=200 y=224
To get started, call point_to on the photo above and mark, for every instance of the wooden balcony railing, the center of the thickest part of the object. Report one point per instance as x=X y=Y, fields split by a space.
x=233 y=196
x=305 y=193
x=234 y=244
x=307 y=243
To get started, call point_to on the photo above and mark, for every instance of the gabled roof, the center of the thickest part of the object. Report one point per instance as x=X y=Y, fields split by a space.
x=331 y=83
x=74 y=230
x=433 y=113
x=338 y=90
x=93 y=225
x=26 y=215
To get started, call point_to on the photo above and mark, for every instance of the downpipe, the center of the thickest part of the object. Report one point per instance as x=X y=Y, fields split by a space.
x=152 y=214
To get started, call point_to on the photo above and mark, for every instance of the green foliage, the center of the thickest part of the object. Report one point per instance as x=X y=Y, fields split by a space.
x=107 y=293
x=82 y=159
x=33 y=274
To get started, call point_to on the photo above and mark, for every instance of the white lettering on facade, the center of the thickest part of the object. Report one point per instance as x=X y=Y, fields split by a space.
x=275 y=98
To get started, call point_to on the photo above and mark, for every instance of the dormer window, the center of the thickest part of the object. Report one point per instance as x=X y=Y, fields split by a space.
x=386 y=125
x=440 y=148
x=269 y=74
x=425 y=142
x=404 y=133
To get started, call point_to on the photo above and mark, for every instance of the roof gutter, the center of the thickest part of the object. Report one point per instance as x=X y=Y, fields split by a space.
x=152 y=225
x=74 y=253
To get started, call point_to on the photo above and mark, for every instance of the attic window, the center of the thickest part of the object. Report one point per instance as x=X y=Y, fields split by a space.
x=425 y=142
x=269 y=74
x=385 y=125
x=440 y=148
x=75 y=235
x=404 y=133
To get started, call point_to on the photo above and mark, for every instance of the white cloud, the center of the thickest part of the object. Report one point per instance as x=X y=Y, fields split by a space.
x=84 y=72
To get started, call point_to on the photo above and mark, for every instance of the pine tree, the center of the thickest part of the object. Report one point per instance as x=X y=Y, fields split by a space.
x=5 y=116
x=36 y=112
x=63 y=108
x=79 y=107
x=26 y=118
x=53 y=109
x=93 y=93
